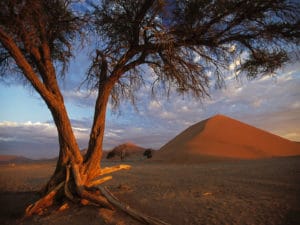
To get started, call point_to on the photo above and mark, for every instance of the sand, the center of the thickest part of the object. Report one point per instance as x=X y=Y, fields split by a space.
x=234 y=192
x=224 y=137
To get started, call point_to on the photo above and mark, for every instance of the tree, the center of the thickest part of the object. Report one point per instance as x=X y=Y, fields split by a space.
x=148 y=153
x=110 y=155
x=179 y=42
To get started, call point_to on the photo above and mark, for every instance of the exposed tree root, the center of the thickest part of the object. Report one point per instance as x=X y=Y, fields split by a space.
x=112 y=169
x=43 y=203
x=126 y=208
x=66 y=187
x=98 y=181
x=86 y=193
x=76 y=189
x=96 y=198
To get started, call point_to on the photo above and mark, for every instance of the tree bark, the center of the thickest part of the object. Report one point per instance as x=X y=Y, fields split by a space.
x=69 y=152
x=95 y=147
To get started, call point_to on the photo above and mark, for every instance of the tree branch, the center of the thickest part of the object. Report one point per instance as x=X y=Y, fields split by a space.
x=104 y=65
x=24 y=65
x=145 y=7
x=135 y=63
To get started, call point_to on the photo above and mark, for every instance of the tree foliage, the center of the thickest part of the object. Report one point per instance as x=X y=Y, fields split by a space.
x=180 y=43
x=110 y=155
x=148 y=153
x=33 y=25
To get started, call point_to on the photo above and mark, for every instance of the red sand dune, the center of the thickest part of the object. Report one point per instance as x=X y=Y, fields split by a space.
x=224 y=137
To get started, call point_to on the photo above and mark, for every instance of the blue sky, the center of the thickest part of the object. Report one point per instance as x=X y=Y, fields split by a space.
x=26 y=127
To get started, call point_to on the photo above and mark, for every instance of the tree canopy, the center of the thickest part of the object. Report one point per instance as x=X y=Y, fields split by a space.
x=182 y=42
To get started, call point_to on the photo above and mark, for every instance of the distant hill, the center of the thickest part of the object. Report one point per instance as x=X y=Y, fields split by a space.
x=11 y=159
x=126 y=151
x=224 y=137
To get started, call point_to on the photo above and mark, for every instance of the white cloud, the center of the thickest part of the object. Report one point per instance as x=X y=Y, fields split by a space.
x=110 y=134
x=80 y=129
x=167 y=115
x=8 y=124
x=232 y=48
x=235 y=64
x=197 y=58
x=7 y=139
x=154 y=105
x=43 y=128
x=265 y=78
x=184 y=108
x=257 y=103
x=36 y=139
x=295 y=105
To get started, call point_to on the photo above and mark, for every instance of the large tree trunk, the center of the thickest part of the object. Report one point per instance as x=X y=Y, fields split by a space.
x=69 y=152
x=95 y=147
x=75 y=178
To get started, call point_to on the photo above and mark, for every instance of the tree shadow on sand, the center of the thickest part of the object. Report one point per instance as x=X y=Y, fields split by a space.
x=13 y=205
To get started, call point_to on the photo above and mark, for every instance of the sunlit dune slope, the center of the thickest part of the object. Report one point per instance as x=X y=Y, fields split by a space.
x=224 y=137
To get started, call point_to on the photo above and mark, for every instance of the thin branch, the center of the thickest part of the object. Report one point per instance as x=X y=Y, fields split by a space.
x=104 y=65
x=28 y=71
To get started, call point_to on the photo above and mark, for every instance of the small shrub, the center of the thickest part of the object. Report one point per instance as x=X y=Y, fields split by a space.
x=110 y=155
x=148 y=153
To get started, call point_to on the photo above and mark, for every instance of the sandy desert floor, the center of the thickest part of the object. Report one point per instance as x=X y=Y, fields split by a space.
x=236 y=192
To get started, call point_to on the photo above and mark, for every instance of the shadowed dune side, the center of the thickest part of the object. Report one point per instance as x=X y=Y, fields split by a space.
x=15 y=204
x=221 y=137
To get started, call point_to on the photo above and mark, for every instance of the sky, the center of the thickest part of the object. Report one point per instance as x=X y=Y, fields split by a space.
x=271 y=103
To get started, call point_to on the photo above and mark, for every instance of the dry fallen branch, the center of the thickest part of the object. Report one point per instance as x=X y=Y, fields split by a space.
x=133 y=213
x=96 y=198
